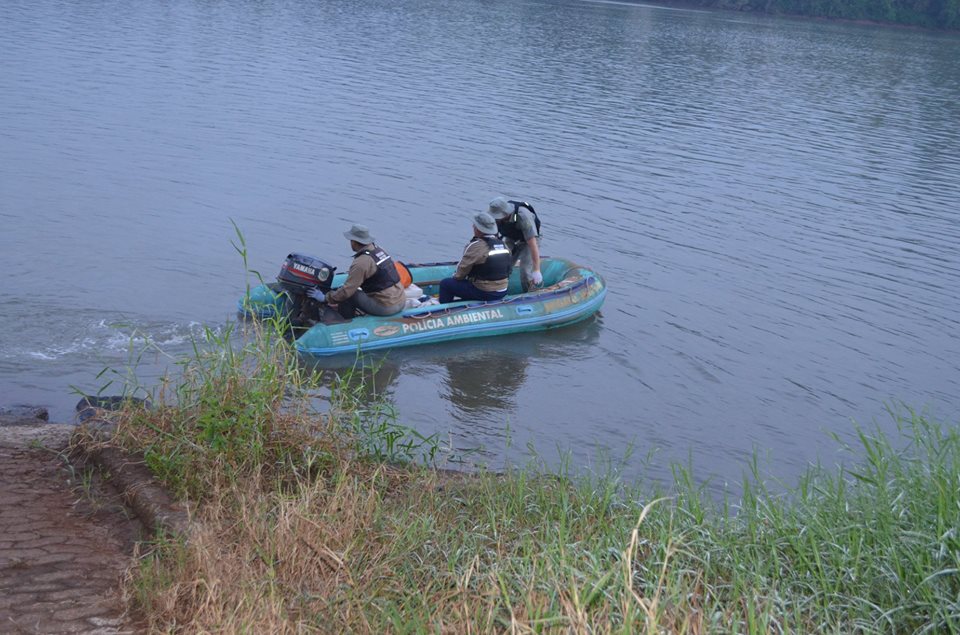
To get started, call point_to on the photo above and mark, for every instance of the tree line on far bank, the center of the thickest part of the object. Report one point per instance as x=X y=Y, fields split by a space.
x=939 y=14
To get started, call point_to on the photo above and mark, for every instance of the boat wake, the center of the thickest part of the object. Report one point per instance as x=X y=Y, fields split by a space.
x=102 y=338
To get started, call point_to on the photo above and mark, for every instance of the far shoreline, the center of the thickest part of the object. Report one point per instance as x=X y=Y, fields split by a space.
x=682 y=4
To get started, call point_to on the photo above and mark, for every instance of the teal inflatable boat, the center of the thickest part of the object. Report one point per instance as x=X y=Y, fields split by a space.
x=570 y=293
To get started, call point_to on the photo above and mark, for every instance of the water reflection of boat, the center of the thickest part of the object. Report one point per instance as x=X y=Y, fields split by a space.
x=570 y=294
x=482 y=376
x=486 y=376
x=369 y=377
x=484 y=381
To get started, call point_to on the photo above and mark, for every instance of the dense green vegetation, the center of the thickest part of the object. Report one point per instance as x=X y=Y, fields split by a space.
x=328 y=521
x=939 y=14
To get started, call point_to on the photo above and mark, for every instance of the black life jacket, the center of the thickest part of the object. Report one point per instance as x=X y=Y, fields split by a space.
x=386 y=275
x=498 y=264
x=510 y=227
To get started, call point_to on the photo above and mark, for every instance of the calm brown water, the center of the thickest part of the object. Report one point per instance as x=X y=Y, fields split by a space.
x=774 y=203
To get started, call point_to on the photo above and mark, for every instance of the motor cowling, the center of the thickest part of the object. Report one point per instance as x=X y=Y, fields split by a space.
x=300 y=274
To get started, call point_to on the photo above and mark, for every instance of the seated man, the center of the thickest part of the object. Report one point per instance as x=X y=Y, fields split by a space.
x=484 y=268
x=372 y=285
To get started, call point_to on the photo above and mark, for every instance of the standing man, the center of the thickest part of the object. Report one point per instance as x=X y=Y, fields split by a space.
x=520 y=227
x=372 y=284
x=484 y=269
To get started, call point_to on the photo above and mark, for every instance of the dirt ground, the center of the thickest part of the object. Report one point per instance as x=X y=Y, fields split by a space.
x=65 y=540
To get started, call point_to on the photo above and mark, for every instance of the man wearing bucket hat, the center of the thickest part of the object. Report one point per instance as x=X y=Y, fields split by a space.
x=519 y=225
x=484 y=268
x=372 y=285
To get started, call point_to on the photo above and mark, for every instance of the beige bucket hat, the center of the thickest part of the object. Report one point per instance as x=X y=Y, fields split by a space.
x=359 y=233
x=485 y=223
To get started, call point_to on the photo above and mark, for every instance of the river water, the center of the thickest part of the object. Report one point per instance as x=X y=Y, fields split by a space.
x=774 y=203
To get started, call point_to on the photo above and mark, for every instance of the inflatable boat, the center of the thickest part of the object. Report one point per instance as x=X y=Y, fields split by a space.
x=570 y=293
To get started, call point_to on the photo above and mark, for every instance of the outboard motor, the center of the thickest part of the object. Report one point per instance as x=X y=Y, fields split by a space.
x=298 y=275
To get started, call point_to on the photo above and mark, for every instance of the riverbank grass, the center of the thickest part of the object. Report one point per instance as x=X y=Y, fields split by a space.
x=312 y=521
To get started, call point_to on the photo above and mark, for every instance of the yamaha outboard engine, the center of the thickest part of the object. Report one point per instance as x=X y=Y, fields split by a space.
x=298 y=275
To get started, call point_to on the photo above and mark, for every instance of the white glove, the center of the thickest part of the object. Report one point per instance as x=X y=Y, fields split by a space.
x=316 y=294
x=537 y=278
